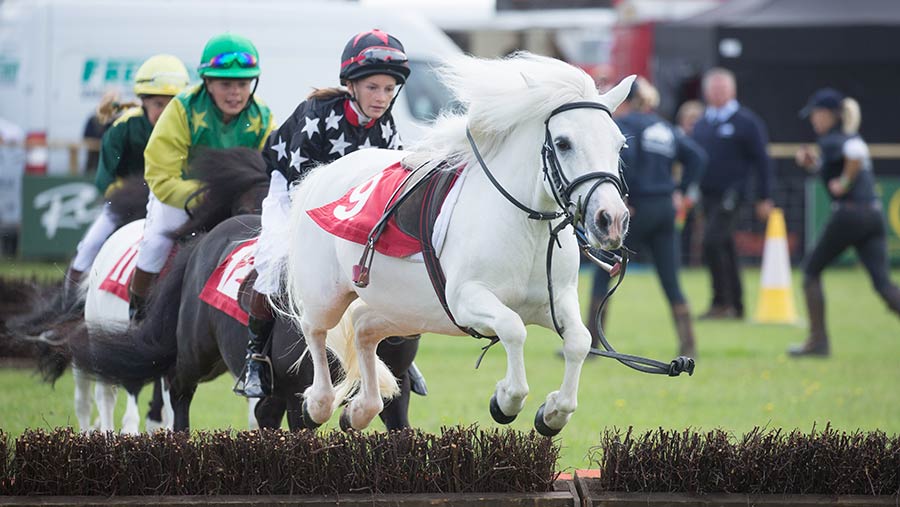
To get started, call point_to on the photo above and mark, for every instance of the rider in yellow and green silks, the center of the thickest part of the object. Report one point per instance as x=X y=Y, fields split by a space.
x=222 y=112
x=122 y=151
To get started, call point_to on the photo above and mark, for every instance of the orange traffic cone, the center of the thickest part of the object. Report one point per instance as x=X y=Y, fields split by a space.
x=776 y=300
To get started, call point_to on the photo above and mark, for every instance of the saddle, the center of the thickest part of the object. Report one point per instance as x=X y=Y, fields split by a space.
x=414 y=212
x=422 y=202
x=245 y=290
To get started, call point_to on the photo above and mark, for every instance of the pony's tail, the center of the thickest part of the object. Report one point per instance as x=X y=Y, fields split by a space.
x=137 y=355
x=340 y=341
x=50 y=317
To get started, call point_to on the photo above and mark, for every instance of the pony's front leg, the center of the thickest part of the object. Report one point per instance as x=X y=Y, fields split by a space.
x=318 y=399
x=132 y=418
x=480 y=309
x=252 y=423
x=370 y=328
x=105 y=398
x=83 y=405
x=559 y=405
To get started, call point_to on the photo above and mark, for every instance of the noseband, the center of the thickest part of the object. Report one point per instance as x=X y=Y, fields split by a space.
x=573 y=213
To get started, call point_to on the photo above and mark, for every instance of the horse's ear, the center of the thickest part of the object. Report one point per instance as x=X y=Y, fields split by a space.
x=614 y=98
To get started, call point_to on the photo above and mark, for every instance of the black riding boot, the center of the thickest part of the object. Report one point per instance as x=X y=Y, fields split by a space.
x=817 y=343
x=257 y=382
x=138 y=291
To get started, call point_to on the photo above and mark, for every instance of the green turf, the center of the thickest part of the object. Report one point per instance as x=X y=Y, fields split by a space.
x=743 y=377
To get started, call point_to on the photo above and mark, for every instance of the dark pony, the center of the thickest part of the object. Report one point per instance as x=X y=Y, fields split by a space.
x=232 y=180
x=188 y=341
x=234 y=183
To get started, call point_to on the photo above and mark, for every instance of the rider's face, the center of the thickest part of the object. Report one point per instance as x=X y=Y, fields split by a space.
x=230 y=95
x=822 y=120
x=374 y=94
x=154 y=105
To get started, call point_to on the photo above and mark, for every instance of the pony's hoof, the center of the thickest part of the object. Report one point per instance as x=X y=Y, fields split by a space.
x=344 y=421
x=498 y=414
x=541 y=426
x=307 y=419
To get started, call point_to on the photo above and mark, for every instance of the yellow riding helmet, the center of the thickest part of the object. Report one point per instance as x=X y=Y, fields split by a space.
x=161 y=75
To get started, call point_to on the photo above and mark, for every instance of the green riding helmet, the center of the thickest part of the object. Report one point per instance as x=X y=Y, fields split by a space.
x=229 y=56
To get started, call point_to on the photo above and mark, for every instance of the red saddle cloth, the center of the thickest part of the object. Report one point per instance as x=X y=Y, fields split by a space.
x=353 y=216
x=222 y=289
x=118 y=278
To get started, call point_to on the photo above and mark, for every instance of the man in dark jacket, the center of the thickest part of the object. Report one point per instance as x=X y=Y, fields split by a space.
x=735 y=140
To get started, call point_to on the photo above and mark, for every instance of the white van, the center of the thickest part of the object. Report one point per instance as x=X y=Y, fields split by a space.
x=57 y=57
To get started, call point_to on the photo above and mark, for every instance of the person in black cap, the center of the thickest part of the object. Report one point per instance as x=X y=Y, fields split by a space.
x=845 y=167
x=735 y=140
x=653 y=147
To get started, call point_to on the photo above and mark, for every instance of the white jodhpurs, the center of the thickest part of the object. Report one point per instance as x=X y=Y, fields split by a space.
x=89 y=246
x=156 y=244
x=272 y=247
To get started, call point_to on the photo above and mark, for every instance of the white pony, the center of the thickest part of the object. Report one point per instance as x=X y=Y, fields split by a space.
x=493 y=256
x=107 y=313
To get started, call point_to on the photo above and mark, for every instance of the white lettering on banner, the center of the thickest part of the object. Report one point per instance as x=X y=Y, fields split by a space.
x=67 y=207
x=236 y=270
x=358 y=197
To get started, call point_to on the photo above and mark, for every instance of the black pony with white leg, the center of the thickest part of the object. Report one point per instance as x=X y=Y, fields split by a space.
x=188 y=341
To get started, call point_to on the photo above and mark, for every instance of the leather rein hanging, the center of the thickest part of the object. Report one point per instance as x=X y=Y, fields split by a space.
x=572 y=213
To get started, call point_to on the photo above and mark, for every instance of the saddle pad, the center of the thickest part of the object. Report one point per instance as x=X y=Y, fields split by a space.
x=222 y=289
x=353 y=216
x=118 y=279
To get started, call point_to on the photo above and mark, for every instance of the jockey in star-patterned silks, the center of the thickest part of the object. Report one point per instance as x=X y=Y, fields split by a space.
x=222 y=112
x=329 y=124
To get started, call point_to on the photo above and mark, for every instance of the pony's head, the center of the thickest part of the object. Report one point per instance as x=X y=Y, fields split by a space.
x=234 y=182
x=518 y=112
x=583 y=143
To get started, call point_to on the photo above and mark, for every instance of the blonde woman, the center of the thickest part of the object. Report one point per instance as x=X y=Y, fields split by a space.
x=845 y=167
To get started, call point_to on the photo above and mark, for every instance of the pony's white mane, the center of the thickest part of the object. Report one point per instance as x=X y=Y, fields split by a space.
x=497 y=96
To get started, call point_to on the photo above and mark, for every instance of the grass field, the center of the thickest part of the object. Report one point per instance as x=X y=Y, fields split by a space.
x=743 y=377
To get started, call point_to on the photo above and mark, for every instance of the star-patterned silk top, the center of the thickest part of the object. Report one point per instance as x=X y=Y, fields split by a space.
x=322 y=131
x=192 y=121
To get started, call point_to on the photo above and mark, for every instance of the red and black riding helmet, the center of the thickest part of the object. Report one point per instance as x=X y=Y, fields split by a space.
x=374 y=52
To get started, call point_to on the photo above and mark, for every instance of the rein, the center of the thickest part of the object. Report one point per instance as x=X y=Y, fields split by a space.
x=572 y=214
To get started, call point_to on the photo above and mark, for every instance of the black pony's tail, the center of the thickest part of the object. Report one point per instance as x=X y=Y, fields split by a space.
x=139 y=354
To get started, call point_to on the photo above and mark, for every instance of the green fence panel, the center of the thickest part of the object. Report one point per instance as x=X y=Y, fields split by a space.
x=56 y=212
x=818 y=209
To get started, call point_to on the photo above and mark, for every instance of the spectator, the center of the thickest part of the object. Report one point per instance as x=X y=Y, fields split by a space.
x=653 y=147
x=735 y=140
x=687 y=219
x=845 y=167
x=688 y=114
x=96 y=126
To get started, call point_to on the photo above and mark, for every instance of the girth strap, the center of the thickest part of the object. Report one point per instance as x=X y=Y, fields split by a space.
x=431 y=205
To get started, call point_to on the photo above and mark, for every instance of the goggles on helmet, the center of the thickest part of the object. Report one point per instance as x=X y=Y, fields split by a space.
x=377 y=54
x=226 y=60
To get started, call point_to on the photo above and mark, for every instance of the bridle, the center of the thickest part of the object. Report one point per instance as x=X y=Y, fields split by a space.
x=573 y=213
